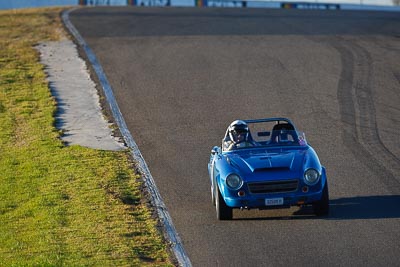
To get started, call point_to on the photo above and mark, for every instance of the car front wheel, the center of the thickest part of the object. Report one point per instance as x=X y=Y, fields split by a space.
x=321 y=208
x=223 y=211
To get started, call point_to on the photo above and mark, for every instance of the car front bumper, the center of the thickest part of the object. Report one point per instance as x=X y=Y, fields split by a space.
x=284 y=200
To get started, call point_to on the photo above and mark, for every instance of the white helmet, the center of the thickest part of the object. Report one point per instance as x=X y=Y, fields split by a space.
x=238 y=127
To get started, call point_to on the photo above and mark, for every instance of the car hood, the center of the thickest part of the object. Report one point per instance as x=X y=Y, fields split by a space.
x=268 y=161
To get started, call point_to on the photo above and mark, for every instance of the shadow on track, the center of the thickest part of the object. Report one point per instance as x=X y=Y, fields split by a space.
x=365 y=207
x=351 y=208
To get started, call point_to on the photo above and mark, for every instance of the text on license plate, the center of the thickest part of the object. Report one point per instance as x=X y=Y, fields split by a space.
x=274 y=201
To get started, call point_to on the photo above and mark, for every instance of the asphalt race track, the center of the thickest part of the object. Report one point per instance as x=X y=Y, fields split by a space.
x=181 y=75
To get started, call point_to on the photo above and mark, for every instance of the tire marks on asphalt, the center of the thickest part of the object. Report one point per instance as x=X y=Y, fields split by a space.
x=358 y=114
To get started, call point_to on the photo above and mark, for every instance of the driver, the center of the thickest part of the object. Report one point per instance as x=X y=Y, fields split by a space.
x=239 y=136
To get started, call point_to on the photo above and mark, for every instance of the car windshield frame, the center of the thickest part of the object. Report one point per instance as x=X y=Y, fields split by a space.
x=270 y=134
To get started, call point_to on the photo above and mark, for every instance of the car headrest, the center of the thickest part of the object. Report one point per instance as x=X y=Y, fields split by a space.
x=283 y=126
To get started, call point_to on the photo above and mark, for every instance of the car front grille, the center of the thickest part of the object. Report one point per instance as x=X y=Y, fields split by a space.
x=273 y=187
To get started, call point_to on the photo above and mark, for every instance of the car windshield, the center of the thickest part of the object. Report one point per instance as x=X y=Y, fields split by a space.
x=271 y=134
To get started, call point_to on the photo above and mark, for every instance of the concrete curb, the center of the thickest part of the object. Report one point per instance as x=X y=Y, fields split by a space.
x=171 y=234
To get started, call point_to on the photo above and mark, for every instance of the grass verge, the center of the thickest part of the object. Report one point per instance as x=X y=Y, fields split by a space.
x=60 y=205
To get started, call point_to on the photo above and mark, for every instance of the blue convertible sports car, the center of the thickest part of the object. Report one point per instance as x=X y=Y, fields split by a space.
x=266 y=164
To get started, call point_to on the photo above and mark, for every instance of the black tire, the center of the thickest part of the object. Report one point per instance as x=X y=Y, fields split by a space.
x=223 y=211
x=321 y=208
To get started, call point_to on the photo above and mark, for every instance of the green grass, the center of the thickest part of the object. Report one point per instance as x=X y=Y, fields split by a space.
x=61 y=206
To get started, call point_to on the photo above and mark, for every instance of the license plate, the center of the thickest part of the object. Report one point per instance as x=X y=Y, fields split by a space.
x=274 y=201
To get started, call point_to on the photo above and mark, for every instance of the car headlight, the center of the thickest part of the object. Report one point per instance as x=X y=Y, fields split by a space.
x=311 y=176
x=234 y=181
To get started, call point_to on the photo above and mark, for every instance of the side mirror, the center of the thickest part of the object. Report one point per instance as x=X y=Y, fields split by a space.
x=214 y=151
